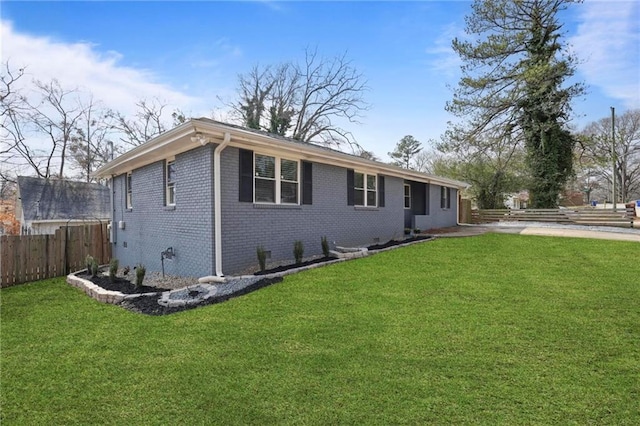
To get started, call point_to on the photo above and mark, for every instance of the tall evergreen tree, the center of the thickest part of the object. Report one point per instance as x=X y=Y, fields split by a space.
x=406 y=149
x=512 y=88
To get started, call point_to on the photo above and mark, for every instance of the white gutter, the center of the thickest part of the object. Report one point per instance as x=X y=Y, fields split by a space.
x=217 y=203
x=176 y=141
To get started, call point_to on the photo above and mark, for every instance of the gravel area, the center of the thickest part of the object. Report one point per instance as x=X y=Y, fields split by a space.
x=232 y=288
x=170 y=282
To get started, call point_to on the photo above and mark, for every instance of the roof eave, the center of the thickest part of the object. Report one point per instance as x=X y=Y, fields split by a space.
x=174 y=142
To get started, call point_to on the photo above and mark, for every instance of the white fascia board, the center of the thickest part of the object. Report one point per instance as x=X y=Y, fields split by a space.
x=247 y=139
x=178 y=140
x=165 y=145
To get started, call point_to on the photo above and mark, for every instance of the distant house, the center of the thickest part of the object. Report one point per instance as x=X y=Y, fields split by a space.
x=518 y=200
x=44 y=205
x=214 y=192
x=8 y=223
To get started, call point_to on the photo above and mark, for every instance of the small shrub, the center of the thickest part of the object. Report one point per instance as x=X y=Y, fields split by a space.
x=262 y=258
x=140 y=271
x=325 y=246
x=407 y=231
x=88 y=261
x=94 y=268
x=298 y=251
x=113 y=269
x=416 y=231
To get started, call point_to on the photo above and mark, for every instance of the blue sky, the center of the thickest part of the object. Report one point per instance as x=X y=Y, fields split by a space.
x=188 y=54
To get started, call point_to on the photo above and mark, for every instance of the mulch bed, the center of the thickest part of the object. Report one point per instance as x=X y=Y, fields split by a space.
x=390 y=243
x=149 y=304
x=295 y=265
x=393 y=243
x=120 y=284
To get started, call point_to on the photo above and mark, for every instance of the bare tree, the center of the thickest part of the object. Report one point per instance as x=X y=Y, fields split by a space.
x=304 y=101
x=283 y=98
x=595 y=153
x=253 y=90
x=12 y=112
x=56 y=117
x=91 y=146
x=147 y=122
x=331 y=88
x=37 y=133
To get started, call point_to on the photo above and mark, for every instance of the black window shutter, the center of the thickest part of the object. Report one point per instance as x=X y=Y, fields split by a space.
x=351 y=193
x=442 y=201
x=246 y=176
x=448 y=198
x=307 y=182
x=380 y=191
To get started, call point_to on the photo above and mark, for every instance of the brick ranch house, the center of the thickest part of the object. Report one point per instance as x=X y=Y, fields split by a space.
x=214 y=192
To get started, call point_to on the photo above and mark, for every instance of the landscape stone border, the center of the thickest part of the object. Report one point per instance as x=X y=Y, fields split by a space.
x=115 y=297
x=99 y=293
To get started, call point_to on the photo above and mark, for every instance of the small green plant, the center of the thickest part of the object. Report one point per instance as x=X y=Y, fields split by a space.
x=407 y=231
x=298 y=251
x=416 y=231
x=113 y=269
x=140 y=271
x=325 y=246
x=262 y=258
x=94 y=268
x=88 y=261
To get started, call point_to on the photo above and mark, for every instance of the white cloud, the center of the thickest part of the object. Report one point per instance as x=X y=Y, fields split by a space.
x=445 y=60
x=81 y=65
x=607 y=41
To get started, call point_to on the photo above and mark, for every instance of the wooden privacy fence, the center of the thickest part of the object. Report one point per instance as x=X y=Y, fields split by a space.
x=585 y=216
x=27 y=258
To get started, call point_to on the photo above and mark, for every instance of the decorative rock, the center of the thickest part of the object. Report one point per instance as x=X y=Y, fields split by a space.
x=188 y=295
x=348 y=253
x=211 y=279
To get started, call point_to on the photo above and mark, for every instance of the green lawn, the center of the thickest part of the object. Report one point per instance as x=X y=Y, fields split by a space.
x=495 y=329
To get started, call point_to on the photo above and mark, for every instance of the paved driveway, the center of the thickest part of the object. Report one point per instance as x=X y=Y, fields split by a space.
x=536 y=228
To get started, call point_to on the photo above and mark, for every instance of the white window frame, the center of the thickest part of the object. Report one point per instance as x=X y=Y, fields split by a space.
x=365 y=190
x=170 y=186
x=444 y=199
x=128 y=193
x=278 y=178
x=407 y=197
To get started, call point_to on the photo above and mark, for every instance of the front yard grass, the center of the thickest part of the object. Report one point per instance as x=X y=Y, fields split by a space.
x=495 y=329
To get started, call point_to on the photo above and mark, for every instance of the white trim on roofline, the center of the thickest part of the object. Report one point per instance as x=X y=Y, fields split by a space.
x=179 y=140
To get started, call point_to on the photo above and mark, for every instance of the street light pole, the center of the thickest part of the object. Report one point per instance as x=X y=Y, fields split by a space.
x=613 y=157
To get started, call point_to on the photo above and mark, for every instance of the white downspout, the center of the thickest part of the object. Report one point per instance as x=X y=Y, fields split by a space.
x=217 y=203
x=112 y=229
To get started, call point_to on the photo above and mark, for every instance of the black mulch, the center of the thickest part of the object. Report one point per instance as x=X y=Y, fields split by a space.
x=149 y=304
x=390 y=243
x=295 y=265
x=120 y=284
x=393 y=243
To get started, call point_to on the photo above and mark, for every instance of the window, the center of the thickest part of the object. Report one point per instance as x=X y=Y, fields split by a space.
x=170 y=182
x=289 y=182
x=364 y=186
x=445 y=197
x=407 y=196
x=127 y=184
x=265 y=179
x=276 y=180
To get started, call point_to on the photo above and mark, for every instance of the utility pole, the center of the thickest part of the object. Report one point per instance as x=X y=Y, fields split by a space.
x=613 y=157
